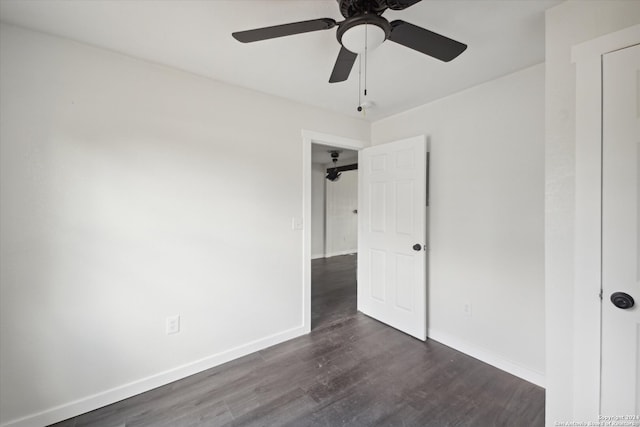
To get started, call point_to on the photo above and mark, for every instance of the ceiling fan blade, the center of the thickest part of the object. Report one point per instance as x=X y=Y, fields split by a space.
x=343 y=66
x=284 y=30
x=425 y=41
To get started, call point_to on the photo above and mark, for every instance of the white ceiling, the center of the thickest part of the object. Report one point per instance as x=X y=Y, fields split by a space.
x=195 y=35
x=321 y=154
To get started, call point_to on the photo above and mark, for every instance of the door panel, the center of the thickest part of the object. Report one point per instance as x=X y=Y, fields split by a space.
x=620 y=376
x=391 y=274
x=404 y=207
x=378 y=266
x=378 y=199
x=404 y=280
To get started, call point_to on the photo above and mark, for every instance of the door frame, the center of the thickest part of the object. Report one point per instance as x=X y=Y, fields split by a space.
x=587 y=304
x=311 y=137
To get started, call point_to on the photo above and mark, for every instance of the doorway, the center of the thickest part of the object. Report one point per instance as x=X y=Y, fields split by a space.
x=334 y=234
x=391 y=273
x=309 y=139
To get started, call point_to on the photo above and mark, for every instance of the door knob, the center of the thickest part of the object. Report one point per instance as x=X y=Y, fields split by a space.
x=622 y=300
x=417 y=247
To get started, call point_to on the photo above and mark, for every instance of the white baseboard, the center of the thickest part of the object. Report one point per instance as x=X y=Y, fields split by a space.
x=486 y=356
x=331 y=254
x=347 y=252
x=107 y=397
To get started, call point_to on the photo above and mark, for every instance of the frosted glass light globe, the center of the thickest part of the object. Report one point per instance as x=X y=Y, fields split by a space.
x=354 y=38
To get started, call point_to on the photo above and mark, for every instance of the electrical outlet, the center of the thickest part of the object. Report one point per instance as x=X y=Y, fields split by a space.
x=467 y=309
x=173 y=324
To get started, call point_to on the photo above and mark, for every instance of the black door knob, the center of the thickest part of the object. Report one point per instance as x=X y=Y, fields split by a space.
x=622 y=300
x=417 y=247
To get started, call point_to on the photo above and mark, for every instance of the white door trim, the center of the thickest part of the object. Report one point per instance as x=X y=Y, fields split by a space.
x=588 y=220
x=308 y=138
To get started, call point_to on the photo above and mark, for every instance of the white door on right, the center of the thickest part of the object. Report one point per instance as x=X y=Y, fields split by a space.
x=392 y=270
x=620 y=376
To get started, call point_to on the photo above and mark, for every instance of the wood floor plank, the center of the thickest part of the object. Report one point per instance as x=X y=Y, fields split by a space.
x=351 y=370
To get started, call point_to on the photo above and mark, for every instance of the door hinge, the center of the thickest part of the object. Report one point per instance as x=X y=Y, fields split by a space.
x=600 y=295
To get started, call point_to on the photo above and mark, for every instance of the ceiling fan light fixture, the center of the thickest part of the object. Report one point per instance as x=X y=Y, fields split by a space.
x=363 y=32
x=363 y=37
x=333 y=174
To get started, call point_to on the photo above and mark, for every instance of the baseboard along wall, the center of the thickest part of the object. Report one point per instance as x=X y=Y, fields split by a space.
x=107 y=397
x=486 y=356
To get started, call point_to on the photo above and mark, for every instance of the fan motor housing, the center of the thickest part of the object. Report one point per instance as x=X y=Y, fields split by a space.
x=350 y=8
x=401 y=4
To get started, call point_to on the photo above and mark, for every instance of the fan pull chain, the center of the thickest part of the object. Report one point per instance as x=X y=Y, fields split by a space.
x=359 y=81
x=366 y=32
x=360 y=91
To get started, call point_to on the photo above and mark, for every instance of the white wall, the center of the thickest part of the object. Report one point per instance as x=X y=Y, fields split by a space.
x=130 y=192
x=567 y=24
x=318 y=196
x=486 y=218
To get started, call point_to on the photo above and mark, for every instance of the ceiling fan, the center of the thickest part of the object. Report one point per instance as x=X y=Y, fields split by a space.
x=364 y=29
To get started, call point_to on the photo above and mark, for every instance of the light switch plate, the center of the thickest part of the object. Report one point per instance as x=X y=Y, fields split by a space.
x=296 y=223
x=173 y=324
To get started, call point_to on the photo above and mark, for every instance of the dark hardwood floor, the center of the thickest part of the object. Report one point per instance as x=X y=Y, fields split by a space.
x=349 y=371
x=333 y=290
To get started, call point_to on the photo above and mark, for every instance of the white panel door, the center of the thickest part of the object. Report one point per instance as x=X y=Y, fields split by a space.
x=620 y=375
x=341 y=214
x=391 y=273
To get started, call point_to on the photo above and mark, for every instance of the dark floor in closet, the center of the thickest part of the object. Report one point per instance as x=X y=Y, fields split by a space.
x=349 y=371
